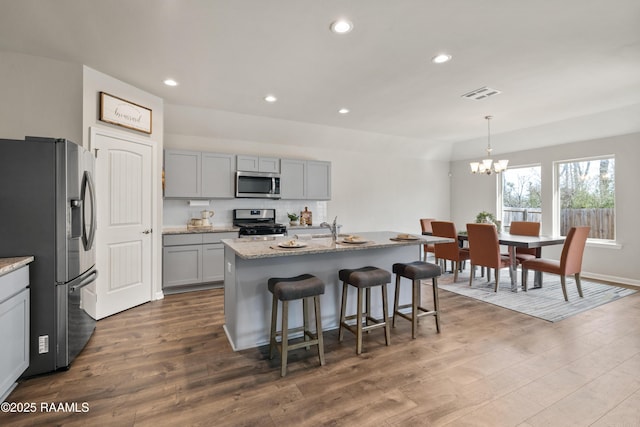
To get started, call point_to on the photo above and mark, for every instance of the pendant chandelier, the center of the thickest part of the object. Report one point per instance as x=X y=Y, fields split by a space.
x=488 y=166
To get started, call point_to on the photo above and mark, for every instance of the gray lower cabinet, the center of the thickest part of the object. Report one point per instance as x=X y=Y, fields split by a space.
x=193 y=259
x=14 y=328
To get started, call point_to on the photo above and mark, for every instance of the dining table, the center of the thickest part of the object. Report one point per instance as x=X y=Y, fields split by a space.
x=513 y=241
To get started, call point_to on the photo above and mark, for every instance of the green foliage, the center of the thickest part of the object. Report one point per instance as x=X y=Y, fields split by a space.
x=485 y=217
x=521 y=188
x=581 y=188
x=292 y=216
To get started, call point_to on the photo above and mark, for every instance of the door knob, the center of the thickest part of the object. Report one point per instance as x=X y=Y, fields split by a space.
x=148 y=231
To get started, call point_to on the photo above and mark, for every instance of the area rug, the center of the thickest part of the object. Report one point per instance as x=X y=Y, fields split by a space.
x=545 y=303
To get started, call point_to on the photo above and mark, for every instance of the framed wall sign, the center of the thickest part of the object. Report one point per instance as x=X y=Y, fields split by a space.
x=123 y=113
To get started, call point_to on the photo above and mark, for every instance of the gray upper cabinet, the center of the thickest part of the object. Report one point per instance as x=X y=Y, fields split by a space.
x=217 y=175
x=182 y=173
x=193 y=174
x=292 y=179
x=258 y=164
x=305 y=179
x=203 y=175
x=318 y=180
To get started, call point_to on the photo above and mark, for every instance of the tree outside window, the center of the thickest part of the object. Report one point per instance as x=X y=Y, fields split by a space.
x=586 y=191
x=521 y=198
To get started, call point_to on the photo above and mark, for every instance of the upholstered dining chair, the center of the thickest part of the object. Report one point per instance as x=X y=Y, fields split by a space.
x=425 y=224
x=484 y=250
x=449 y=251
x=525 y=228
x=570 y=260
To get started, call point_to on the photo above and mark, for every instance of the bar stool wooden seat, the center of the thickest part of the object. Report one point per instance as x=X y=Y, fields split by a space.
x=415 y=272
x=364 y=278
x=302 y=287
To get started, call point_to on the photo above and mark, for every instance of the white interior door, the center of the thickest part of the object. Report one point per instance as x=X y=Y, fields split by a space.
x=124 y=219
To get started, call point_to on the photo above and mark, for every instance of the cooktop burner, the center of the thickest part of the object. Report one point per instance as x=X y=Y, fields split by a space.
x=254 y=222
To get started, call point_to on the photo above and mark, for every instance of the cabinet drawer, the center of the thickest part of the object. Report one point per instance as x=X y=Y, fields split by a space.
x=182 y=239
x=216 y=237
x=13 y=282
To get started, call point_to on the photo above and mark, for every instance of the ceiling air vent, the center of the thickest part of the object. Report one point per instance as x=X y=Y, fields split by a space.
x=482 y=93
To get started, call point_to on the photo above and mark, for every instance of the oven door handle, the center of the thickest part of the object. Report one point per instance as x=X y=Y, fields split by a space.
x=84 y=282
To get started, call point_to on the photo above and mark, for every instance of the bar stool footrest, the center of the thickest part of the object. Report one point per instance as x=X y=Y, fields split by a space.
x=377 y=323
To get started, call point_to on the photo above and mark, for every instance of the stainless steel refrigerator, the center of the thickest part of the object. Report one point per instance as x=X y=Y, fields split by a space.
x=47 y=209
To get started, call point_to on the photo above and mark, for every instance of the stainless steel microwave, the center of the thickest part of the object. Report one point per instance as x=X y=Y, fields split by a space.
x=264 y=185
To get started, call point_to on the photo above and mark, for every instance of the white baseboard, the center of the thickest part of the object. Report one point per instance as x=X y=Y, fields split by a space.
x=622 y=280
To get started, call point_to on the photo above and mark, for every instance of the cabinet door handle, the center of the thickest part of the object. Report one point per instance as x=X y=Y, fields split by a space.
x=148 y=231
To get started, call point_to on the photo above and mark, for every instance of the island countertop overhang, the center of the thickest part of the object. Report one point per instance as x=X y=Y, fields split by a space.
x=247 y=248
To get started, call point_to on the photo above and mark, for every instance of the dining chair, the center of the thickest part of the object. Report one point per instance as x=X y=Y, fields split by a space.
x=484 y=250
x=525 y=228
x=425 y=224
x=449 y=251
x=570 y=260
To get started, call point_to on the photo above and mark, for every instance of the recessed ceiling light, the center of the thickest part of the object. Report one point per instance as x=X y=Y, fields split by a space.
x=341 y=26
x=343 y=110
x=270 y=98
x=441 y=58
x=170 y=82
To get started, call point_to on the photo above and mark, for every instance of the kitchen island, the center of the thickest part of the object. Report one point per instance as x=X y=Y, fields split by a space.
x=249 y=263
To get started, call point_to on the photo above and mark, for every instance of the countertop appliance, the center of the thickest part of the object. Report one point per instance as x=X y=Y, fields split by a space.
x=258 y=185
x=47 y=209
x=257 y=222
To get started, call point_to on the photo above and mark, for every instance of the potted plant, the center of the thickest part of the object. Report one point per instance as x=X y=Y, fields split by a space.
x=293 y=218
x=487 y=217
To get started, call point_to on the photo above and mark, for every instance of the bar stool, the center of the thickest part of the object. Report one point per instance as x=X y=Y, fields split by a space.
x=364 y=278
x=288 y=289
x=416 y=271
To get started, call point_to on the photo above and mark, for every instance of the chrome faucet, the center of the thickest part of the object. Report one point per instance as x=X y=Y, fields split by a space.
x=333 y=228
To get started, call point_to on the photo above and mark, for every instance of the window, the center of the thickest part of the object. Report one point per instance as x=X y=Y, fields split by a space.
x=586 y=196
x=521 y=195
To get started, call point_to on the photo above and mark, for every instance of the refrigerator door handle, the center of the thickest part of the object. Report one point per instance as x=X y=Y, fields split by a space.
x=89 y=202
x=85 y=281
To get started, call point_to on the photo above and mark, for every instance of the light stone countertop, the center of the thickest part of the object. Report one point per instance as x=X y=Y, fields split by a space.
x=248 y=248
x=303 y=227
x=230 y=229
x=7 y=265
x=214 y=229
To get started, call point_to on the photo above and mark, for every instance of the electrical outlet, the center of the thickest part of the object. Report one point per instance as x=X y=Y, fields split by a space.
x=43 y=344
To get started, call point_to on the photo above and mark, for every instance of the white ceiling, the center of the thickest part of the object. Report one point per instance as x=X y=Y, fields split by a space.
x=571 y=65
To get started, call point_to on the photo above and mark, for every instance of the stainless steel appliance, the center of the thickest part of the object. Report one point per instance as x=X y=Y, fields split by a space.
x=47 y=209
x=258 y=185
x=257 y=222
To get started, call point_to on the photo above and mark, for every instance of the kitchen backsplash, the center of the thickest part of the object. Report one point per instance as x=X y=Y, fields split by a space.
x=176 y=213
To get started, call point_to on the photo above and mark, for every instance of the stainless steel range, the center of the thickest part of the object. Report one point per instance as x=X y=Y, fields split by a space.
x=257 y=222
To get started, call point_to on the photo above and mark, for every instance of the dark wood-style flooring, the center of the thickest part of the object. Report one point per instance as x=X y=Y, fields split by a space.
x=168 y=363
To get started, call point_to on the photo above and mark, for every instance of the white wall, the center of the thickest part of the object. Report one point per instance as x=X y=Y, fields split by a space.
x=378 y=182
x=40 y=97
x=474 y=193
x=94 y=82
